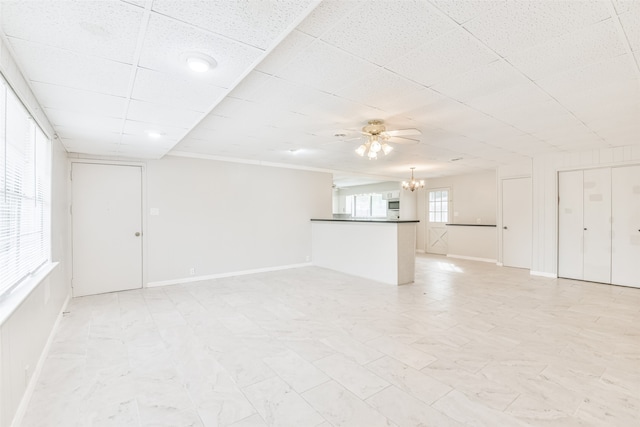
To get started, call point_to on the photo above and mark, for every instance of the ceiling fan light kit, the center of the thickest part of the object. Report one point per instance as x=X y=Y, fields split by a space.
x=413 y=184
x=377 y=137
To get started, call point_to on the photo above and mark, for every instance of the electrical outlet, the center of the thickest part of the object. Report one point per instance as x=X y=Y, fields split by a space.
x=192 y=271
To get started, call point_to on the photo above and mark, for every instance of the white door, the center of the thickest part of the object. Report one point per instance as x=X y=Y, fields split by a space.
x=597 y=225
x=438 y=202
x=107 y=225
x=516 y=222
x=570 y=229
x=625 y=199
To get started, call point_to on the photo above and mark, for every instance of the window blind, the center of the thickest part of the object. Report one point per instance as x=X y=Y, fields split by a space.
x=25 y=180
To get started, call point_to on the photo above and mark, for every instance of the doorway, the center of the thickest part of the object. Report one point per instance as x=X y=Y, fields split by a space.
x=438 y=202
x=516 y=222
x=106 y=218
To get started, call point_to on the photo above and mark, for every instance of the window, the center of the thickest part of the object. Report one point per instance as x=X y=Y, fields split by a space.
x=25 y=176
x=366 y=206
x=439 y=205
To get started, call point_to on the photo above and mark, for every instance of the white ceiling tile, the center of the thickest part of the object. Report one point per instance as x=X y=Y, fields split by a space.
x=490 y=78
x=288 y=49
x=451 y=54
x=83 y=121
x=277 y=92
x=325 y=67
x=511 y=97
x=250 y=85
x=614 y=99
x=380 y=88
x=104 y=29
x=165 y=89
x=89 y=137
x=61 y=67
x=139 y=3
x=578 y=49
x=326 y=15
x=618 y=69
x=380 y=31
x=623 y=6
x=97 y=149
x=79 y=101
x=140 y=129
x=254 y=22
x=631 y=24
x=534 y=118
x=463 y=11
x=516 y=25
x=161 y=114
x=167 y=41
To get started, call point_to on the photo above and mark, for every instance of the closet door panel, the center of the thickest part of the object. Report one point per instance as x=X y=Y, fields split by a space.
x=625 y=200
x=597 y=225
x=570 y=212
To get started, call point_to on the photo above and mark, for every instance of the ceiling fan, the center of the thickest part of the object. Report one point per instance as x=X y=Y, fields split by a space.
x=378 y=138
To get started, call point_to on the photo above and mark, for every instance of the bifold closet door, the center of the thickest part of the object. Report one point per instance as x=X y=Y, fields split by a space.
x=625 y=257
x=570 y=229
x=597 y=225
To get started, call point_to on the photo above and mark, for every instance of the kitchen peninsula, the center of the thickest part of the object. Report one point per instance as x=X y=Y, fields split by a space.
x=380 y=250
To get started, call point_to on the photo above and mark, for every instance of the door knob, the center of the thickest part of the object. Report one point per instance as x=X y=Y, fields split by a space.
x=137 y=234
x=585 y=229
x=505 y=227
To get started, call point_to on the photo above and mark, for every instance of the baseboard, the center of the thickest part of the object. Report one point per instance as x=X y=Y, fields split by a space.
x=543 y=274
x=499 y=264
x=471 y=258
x=26 y=397
x=223 y=275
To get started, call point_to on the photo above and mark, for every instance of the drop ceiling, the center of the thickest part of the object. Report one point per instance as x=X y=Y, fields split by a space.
x=488 y=83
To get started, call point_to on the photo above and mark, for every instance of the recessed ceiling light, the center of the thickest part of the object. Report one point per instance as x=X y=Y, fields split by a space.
x=199 y=62
x=154 y=134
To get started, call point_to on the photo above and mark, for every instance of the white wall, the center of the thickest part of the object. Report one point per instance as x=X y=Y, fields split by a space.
x=473 y=196
x=545 y=196
x=219 y=217
x=25 y=334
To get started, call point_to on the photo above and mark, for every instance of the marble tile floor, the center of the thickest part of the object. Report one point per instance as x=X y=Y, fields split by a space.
x=469 y=343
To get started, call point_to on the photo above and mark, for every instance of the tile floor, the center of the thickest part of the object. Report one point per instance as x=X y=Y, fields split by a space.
x=468 y=344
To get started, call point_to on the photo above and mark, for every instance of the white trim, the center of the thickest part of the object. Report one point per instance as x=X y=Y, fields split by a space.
x=420 y=251
x=222 y=275
x=543 y=274
x=471 y=258
x=499 y=264
x=28 y=393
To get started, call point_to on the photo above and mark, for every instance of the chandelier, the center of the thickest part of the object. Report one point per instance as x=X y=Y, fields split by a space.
x=375 y=144
x=413 y=184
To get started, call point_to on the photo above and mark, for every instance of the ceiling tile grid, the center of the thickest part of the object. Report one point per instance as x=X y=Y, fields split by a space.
x=453 y=53
x=103 y=29
x=577 y=49
x=254 y=22
x=167 y=41
x=381 y=31
x=490 y=82
x=517 y=25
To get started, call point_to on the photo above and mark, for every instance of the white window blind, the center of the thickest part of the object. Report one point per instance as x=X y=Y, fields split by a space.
x=25 y=177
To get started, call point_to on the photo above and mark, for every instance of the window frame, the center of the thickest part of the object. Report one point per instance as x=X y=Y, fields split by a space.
x=25 y=194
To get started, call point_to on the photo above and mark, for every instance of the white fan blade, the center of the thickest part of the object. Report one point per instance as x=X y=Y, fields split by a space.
x=403 y=132
x=402 y=140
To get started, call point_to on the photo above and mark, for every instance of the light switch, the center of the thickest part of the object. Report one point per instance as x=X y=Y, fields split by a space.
x=154 y=211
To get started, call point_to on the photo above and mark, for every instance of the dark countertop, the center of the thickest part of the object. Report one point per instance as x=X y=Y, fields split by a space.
x=392 y=221
x=473 y=225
